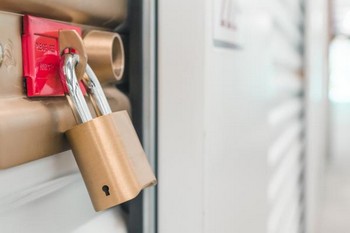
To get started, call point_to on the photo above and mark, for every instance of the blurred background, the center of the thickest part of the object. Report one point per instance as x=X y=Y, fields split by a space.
x=260 y=141
x=336 y=201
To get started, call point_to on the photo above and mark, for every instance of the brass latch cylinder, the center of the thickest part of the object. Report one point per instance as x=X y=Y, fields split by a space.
x=106 y=55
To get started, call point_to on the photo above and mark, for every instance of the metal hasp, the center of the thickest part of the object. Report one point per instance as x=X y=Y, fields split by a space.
x=71 y=39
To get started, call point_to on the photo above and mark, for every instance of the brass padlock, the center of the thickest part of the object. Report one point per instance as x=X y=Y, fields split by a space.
x=106 y=148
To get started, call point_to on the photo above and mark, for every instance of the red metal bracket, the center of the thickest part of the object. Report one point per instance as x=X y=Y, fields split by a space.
x=41 y=56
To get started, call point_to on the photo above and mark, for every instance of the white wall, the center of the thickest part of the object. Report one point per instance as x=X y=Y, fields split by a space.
x=214 y=133
x=317 y=109
x=181 y=136
x=236 y=97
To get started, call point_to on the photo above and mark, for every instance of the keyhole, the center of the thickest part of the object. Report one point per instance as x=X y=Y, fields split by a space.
x=105 y=189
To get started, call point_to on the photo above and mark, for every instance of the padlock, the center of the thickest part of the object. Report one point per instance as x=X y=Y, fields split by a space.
x=107 y=150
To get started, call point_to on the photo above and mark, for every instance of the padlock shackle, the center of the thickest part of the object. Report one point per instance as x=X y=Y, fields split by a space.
x=68 y=64
x=96 y=92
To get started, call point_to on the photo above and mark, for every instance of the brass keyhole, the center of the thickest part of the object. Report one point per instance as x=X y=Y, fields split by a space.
x=105 y=189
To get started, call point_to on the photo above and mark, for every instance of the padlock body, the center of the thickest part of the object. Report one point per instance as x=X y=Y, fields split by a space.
x=111 y=159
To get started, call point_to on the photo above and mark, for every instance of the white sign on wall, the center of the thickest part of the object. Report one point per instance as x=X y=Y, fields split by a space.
x=226 y=23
